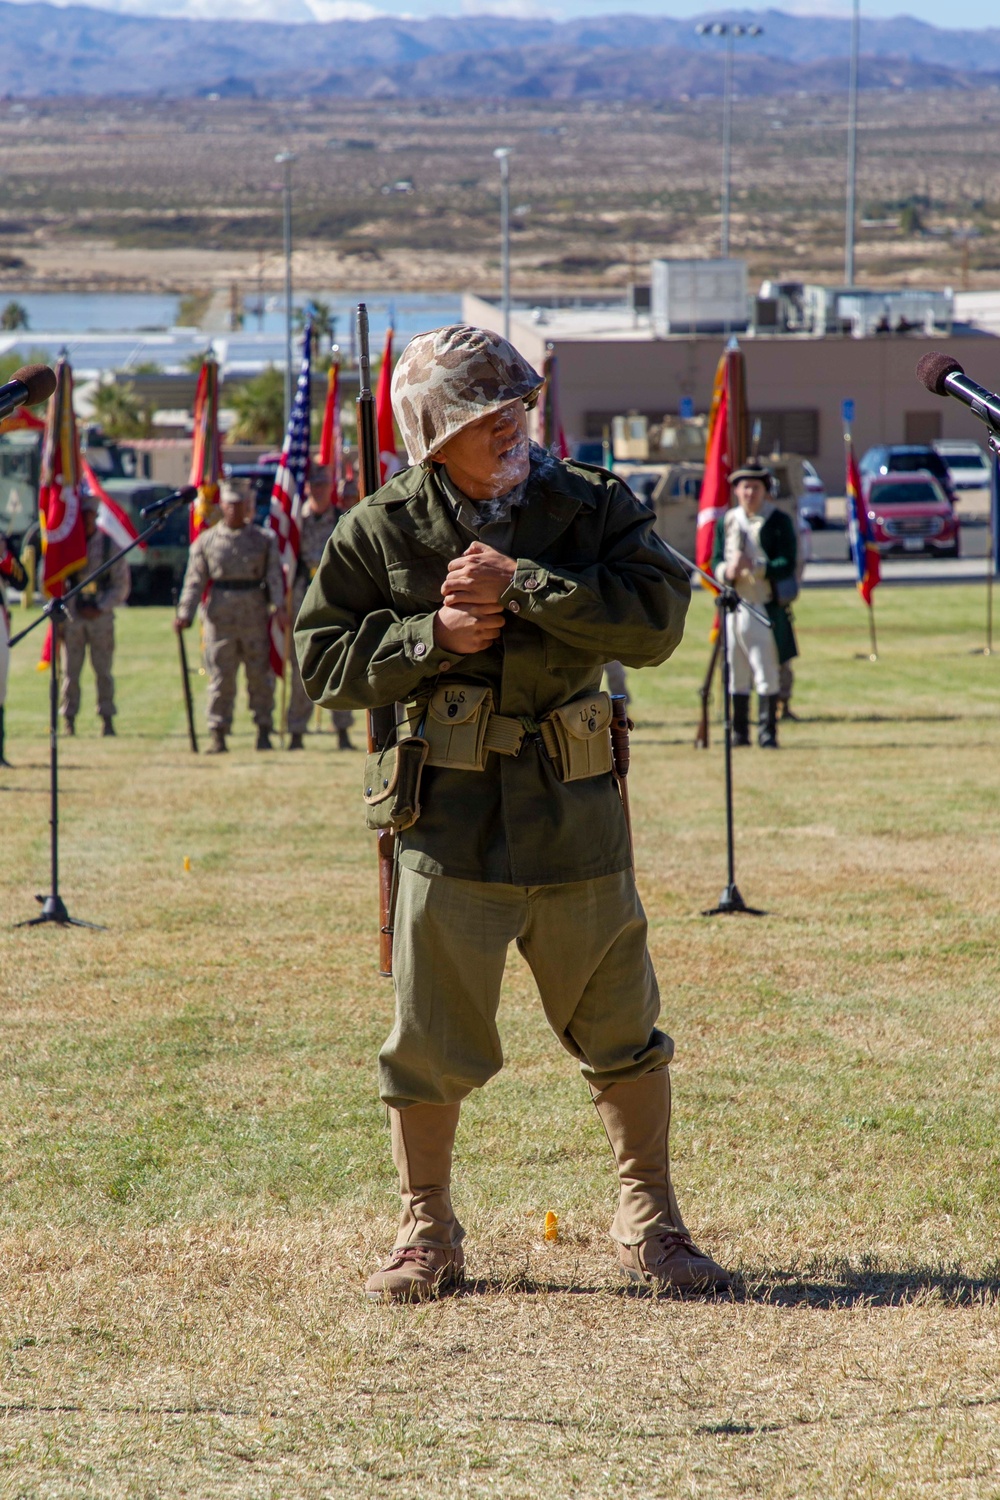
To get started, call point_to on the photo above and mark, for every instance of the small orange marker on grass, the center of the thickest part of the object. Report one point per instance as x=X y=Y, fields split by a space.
x=187 y=864
x=551 y=1225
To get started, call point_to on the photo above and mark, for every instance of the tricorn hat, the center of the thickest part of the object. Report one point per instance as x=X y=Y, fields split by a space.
x=752 y=469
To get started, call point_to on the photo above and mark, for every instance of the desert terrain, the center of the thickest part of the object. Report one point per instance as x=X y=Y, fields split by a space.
x=184 y=196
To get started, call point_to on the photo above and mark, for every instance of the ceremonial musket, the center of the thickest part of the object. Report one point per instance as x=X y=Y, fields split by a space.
x=381 y=721
x=186 y=684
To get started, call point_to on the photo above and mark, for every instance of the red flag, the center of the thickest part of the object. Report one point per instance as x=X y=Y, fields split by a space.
x=45 y=659
x=388 y=458
x=64 y=541
x=331 y=446
x=550 y=419
x=22 y=420
x=713 y=501
x=867 y=559
x=111 y=519
x=206 y=453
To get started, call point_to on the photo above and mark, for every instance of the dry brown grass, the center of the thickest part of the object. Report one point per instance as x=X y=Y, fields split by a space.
x=197 y=1174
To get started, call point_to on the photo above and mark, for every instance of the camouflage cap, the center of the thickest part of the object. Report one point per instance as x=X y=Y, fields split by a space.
x=89 y=501
x=450 y=377
x=231 y=493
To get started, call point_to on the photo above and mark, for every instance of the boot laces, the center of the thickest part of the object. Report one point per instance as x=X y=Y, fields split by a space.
x=669 y=1241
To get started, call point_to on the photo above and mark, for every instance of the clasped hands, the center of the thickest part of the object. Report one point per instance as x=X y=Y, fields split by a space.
x=472 y=617
x=742 y=568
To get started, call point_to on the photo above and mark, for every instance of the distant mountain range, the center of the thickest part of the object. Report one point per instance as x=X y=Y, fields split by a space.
x=78 y=50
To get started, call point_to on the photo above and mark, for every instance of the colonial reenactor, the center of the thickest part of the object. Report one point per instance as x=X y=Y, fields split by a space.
x=756 y=552
x=238 y=564
x=90 y=622
x=11 y=573
x=484 y=588
x=319 y=517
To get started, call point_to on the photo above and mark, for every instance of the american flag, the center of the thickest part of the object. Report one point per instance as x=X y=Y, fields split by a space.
x=286 y=496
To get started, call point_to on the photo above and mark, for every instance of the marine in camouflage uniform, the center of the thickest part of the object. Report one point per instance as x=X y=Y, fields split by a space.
x=319 y=517
x=238 y=563
x=90 y=623
x=11 y=572
x=485 y=588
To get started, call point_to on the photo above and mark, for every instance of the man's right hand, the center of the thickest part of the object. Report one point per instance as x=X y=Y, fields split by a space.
x=467 y=629
x=180 y=623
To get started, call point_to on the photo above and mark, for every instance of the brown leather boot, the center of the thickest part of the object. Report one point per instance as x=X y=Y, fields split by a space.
x=654 y=1244
x=428 y=1260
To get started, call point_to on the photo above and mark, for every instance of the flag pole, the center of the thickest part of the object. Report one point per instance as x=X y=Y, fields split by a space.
x=871 y=632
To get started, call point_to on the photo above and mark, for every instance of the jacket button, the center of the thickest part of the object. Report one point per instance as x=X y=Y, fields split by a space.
x=420 y=650
x=514 y=607
x=531 y=584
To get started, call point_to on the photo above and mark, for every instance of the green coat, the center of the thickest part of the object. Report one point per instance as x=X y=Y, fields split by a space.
x=593 y=583
x=780 y=546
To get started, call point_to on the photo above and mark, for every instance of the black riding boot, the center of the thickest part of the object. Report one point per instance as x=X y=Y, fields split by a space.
x=741 y=719
x=767 y=723
x=3 y=759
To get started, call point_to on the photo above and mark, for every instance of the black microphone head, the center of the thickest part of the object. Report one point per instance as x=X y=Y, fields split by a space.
x=189 y=493
x=40 y=380
x=934 y=368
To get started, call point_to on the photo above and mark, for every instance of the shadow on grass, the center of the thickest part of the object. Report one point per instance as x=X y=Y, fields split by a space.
x=822 y=1285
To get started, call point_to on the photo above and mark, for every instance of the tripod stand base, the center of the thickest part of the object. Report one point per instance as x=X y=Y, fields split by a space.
x=732 y=903
x=54 y=910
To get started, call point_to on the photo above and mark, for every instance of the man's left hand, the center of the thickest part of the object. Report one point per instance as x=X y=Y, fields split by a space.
x=281 y=617
x=479 y=576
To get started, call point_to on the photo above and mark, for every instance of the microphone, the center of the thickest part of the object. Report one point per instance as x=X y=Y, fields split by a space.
x=179 y=497
x=944 y=376
x=30 y=385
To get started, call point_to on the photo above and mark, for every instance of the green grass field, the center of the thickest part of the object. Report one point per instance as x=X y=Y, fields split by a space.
x=196 y=1168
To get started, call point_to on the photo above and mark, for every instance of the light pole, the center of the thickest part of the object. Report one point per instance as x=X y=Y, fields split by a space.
x=730 y=31
x=852 y=148
x=503 y=154
x=285 y=159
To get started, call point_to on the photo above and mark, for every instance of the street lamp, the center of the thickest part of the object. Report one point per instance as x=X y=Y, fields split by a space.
x=852 y=150
x=730 y=31
x=503 y=155
x=285 y=159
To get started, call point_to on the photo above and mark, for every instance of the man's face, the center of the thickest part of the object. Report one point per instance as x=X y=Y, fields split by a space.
x=234 y=513
x=489 y=457
x=750 y=495
x=89 y=522
x=319 y=494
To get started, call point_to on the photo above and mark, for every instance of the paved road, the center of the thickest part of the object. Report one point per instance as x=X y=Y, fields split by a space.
x=830 y=568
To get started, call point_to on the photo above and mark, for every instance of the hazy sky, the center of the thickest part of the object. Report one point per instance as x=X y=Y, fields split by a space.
x=959 y=14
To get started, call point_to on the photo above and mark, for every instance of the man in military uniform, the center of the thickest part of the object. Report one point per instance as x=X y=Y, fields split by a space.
x=485 y=588
x=90 y=621
x=319 y=517
x=756 y=552
x=238 y=563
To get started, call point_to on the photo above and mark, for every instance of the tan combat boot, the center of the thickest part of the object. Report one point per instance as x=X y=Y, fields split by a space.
x=654 y=1245
x=217 y=742
x=428 y=1260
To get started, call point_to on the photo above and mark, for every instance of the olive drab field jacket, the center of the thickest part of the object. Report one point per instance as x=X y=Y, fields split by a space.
x=593 y=584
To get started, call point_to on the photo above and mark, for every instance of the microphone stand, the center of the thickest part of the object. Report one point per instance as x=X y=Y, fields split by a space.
x=53 y=906
x=727 y=601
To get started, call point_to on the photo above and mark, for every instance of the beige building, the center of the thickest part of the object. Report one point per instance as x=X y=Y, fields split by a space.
x=609 y=362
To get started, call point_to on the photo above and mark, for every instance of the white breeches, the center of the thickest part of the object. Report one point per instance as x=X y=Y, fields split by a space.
x=753 y=656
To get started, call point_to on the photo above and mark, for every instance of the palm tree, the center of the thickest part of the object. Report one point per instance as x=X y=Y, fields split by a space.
x=260 y=408
x=119 y=412
x=13 y=317
x=323 y=320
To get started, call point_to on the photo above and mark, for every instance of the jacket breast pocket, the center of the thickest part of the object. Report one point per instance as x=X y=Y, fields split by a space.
x=417 y=585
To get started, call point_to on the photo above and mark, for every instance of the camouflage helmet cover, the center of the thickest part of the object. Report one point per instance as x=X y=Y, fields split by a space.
x=452 y=376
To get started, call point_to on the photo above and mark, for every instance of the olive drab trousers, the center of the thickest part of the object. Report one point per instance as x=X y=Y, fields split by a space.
x=99 y=634
x=585 y=943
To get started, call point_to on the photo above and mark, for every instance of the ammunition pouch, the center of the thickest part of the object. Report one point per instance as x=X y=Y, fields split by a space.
x=454 y=721
x=460 y=728
x=577 y=737
x=392 y=784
